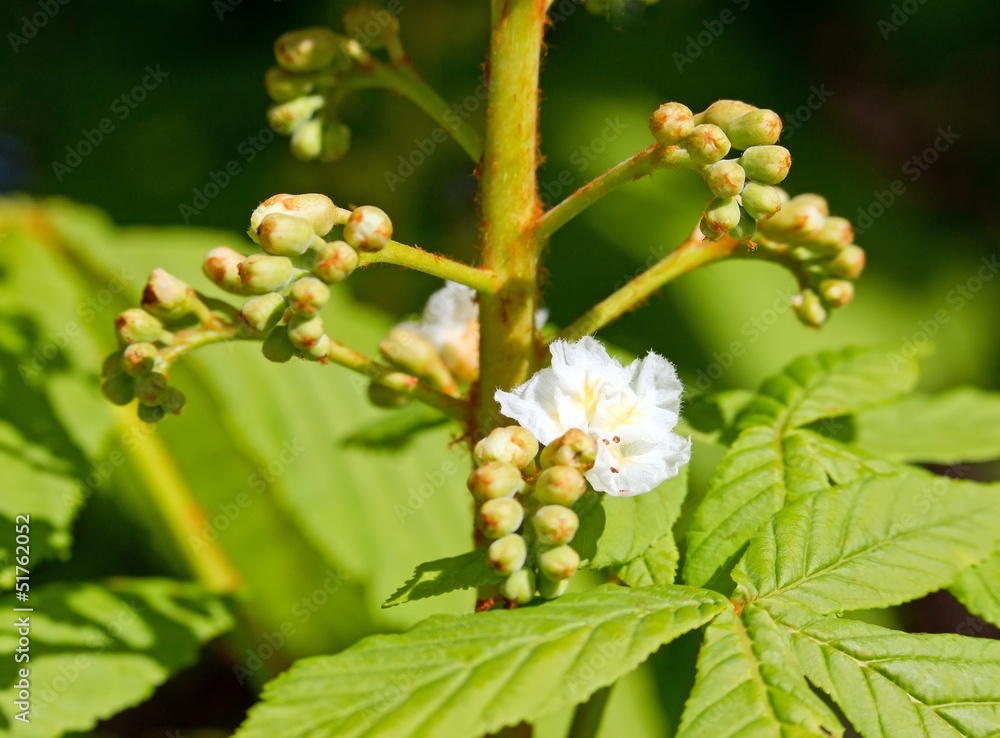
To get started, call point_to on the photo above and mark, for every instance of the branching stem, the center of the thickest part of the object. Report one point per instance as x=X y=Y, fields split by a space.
x=480 y=279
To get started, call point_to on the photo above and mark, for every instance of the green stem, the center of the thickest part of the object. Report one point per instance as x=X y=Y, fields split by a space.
x=587 y=718
x=636 y=166
x=411 y=257
x=690 y=255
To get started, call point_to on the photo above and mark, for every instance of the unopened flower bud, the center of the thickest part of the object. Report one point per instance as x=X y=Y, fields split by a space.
x=281 y=234
x=672 y=122
x=555 y=524
x=508 y=554
x=308 y=296
x=760 y=201
x=173 y=401
x=756 y=128
x=551 y=589
x=723 y=112
x=335 y=261
x=391 y=390
x=500 y=517
x=263 y=273
x=558 y=563
x=836 y=292
x=138 y=326
x=320 y=350
x=370 y=25
x=725 y=178
x=307 y=50
x=707 y=144
x=222 y=266
x=368 y=229
x=746 y=229
x=336 y=142
x=560 y=485
x=151 y=388
x=574 y=448
x=318 y=209
x=721 y=216
x=307 y=140
x=283 y=86
x=151 y=413
x=766 y=164
x=166 y=296
x=817 y=201
x=511 y=444
x=674 y=157
x=519 y=587
x=285 y=118
x=119 y=388
x=495 y=479
x=413 y=352
x=849 y=263
x=835 y=234
x=809 y=309
x=278 y=347
x=797 y=222
x=263 y=312
x=139 y=358
x=305 y=332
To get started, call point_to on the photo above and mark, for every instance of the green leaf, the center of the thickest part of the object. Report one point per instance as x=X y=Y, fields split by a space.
x=435 y=578
x=709 y=417
x=397 y=429
x=874 y=543
x=895 y=684
x=750 y=685
x=978 y=588
x=770 y=463
x=97 y=649
x=959 y=425
x=466 y=676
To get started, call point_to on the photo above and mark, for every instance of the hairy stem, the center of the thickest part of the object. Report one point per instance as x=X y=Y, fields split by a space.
x=690 y=255
x=636 y=166
x=411 y=257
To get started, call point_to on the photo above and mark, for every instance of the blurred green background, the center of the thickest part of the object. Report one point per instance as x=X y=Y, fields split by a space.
x=883 y=83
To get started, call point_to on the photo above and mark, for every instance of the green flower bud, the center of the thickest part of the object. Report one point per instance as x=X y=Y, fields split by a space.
x=707 y=144
x=508 y=554
x=413 y=352
x=721 y=216
x=809 y=309
x=336 y=142
x=307 y=140
x=835 y=234
x=836 y=292
x=138 y=326
x=760 y=201
x=674 y=157
x=139 y=358
x=511 y=444
x=335 y=261
x=222 y=266
x=671 y=123
x=519 y=587
x=278 y=347
x=173 y=401
x=285 y=118
x=766 y=164
x=746 y=229
x=119 y=388
x=318 y=209
x=495 y=479
x=550 y=589
x=320 y=350
x=723 y=112
x=167 y=297
x=151 y=388
x=555 y=524
x=849 y=263
x=307 y=50
x=798 y=221
x=308 y=296
x=151 y=413
x=756 y=128
x=574 y=448
x=263 y=273
x=558 y=563
x=817 y=201
x=368 y=229
x=370 y=25
x=281 y=234
x=725 y=178
x=391 y=390
x=500 y=517
x=305 y=332
x=263 y=312
x=283 y=86
x=560 y=485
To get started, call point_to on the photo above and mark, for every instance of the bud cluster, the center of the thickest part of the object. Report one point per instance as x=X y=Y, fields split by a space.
x=312 y=64
x=743 y=186
x=526 y=511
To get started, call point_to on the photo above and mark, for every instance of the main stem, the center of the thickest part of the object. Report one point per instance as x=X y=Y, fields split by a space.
x=510 y=206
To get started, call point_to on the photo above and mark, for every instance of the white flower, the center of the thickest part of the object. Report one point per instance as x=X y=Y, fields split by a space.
x=631 y=411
